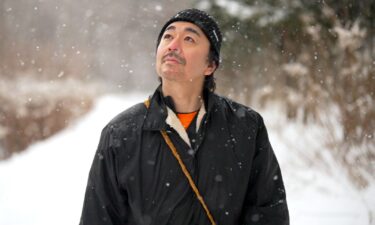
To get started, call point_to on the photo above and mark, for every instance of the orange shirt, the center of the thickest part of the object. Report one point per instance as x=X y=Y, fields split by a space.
x=186 y=118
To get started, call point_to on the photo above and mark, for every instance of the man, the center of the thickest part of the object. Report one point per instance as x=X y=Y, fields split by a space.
x=186 y=156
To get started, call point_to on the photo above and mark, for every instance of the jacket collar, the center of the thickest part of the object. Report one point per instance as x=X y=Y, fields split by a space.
x=157 y=116
x=156 y=112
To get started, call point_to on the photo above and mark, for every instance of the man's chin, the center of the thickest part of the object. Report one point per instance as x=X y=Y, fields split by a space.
x=171 y=75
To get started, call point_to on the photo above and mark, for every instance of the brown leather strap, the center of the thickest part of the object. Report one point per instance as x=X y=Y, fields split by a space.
x=147 y=103
x=185 y=171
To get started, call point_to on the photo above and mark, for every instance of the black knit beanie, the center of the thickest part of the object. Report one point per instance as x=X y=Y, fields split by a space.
x=205 y=22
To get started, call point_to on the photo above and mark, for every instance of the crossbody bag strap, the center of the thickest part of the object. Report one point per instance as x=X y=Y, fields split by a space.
x=185 y=171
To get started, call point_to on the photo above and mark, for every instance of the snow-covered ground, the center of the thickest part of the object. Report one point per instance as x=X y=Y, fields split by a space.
x=45 y=185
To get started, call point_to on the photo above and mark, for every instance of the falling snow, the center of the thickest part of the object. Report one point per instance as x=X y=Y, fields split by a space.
x=314 y=196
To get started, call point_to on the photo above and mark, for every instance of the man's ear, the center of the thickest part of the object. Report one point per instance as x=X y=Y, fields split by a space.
x=211 y=67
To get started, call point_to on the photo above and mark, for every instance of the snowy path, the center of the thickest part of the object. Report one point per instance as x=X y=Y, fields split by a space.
x=45 y=185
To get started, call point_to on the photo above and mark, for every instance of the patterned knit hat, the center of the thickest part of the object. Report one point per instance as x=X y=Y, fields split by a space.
x=205 y=22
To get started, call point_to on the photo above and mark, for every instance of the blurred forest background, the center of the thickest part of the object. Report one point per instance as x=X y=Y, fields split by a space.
x=316 y=59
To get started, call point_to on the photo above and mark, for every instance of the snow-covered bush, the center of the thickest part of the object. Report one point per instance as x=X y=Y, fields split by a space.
x=43 y=86
x=314 y=57
x=34 y=109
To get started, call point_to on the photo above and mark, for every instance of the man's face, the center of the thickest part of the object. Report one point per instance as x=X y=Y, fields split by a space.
x=182 y=54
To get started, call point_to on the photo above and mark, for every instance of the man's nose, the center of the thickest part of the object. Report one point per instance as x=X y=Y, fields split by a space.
x=175 y=45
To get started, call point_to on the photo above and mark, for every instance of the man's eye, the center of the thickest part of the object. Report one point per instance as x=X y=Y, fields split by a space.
x=189 y=39
x=167 y=36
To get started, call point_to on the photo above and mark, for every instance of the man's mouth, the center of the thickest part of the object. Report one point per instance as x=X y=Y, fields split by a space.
x=171 y=59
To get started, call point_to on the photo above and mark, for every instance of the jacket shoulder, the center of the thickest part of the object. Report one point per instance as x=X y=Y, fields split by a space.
x=131 y=117
x=238 y=110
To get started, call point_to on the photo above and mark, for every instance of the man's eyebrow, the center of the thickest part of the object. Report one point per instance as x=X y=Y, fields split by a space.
x=170 y=28
x=192 y=30
x=188 y=29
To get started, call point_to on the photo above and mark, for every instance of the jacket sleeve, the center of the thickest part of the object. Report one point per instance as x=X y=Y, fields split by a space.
x=265 y=202
x=105 y=203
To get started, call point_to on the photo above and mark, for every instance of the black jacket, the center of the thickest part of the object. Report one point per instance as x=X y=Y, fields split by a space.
x=135 y=180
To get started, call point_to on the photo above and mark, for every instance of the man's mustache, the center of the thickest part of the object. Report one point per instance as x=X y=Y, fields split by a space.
x=173 y=54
